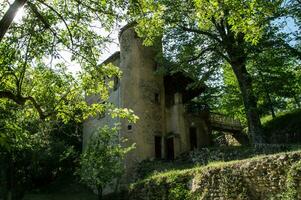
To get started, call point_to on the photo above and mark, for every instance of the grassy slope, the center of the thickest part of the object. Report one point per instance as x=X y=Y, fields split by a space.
x=285 y=128
x=219 y=164
x=210 y=155
x=67 y=189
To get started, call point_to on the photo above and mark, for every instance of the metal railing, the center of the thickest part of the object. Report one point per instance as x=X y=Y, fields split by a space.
x=220 y=120
x=216 y=119
x=196 y=108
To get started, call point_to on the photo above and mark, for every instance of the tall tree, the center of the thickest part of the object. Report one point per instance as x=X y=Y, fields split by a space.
x=48 y=38
x=9 y=16
x=229 y=29
x=275 y=72
x=33 y=152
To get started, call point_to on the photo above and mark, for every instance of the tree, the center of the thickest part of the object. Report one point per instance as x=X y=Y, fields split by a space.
x=275 y=79
x=293 y=10
x=36 y=47
x=231 y=103
x=33 y=152
x=102 y=161
x=9 y=16
x=228 y=29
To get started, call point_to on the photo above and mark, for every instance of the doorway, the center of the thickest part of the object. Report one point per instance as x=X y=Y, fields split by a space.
x=170 y=148
x=193 y=138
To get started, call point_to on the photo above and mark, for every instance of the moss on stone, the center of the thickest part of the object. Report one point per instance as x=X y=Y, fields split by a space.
x=262 y=177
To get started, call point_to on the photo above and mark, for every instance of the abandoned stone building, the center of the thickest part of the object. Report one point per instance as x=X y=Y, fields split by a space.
x=165 y=128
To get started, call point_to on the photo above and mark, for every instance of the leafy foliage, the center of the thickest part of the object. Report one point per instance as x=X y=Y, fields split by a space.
x=231 y=100
x=102 y=161
x=42 y=103
x=50 y=37
x=33 y=152
x=204 y=36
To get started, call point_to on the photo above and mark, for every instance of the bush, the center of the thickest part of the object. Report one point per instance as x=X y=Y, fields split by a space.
x=102 y=161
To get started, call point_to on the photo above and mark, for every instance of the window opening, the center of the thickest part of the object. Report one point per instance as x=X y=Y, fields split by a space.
x=158 y=147
x=193 y=138
x=157 y=98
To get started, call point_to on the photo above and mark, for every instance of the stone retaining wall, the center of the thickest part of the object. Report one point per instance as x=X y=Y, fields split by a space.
x=259 y=178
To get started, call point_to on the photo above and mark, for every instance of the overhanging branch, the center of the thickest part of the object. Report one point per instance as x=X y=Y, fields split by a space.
x=20 y=100
x=61 y=17
x=201 y=32
x=9 y=16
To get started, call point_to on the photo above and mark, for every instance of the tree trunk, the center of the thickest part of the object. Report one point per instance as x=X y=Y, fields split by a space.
x=270 y=104
x=9 y=16
x=10 y=180
x=250 y=103
x=99 y=192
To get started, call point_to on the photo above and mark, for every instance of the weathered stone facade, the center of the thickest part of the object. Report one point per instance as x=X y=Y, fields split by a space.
x=164 y=129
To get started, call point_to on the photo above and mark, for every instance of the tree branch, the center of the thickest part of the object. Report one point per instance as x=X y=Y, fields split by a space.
x=61 y=17
x=22 y=74
x=40 y=17
x=293 y=50
x=210 y=35
x=36 y=105
x=10 y=95
x=9 y=16
x=17 y=98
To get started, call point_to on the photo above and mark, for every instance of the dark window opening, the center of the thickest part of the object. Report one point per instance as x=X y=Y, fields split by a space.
x=169 y=100
x=130 y=127
x=158 y=147
x=193 y=138
x=170 y=154
x=155 y=67
x=157 y=98
x=116 y=83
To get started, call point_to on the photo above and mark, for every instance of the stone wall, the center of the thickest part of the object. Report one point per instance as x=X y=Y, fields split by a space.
x=259 y=178
x=94 y=123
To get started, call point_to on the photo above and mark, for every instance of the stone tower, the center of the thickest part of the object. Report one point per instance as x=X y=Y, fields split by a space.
x=141 y=90
x=166 y=128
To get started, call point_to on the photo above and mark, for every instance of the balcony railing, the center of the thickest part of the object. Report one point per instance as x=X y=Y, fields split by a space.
x=196 y=108
x=217 y=120
x=222 y=121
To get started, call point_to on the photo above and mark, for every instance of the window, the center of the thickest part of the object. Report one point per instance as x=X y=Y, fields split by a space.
x=193 y=138
x=158 y=147
x=155 y=67
x=116 y=83
x=170 y=153
x=130 y=127
x=169 y=100
x=157 y=98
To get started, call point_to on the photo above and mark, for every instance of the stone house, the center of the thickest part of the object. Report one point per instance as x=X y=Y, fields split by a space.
x=165 y=128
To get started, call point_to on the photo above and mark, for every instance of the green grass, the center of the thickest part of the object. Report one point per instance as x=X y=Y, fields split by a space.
x=282 y=119
x=267 y=118
x=209 y=155
x=211 y=165
x=285 y=128
x=67 y=188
